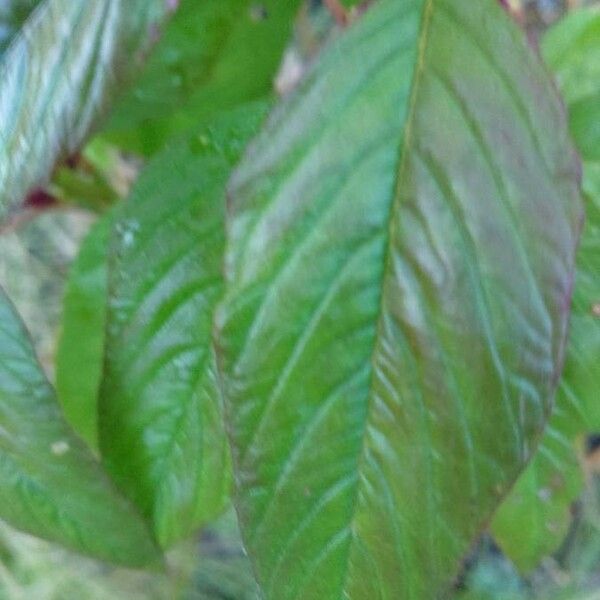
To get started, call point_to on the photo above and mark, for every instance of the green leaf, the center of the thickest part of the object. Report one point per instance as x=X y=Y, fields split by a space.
x=50 y=485
x=534 y=519
x=80 y=353
x=215 y=55
x=13 y=13
x=97 y=179
x=161 y=430
x=401 y=248
x=572 y=49
x=58 y=76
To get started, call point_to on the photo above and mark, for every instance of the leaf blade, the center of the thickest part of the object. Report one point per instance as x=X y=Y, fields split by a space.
x=202 y=66
x=307 y=369
x=88 y=47
x=12 y=16
x=80 y=351
x=160 y=417
x=51 y=485
x=541 y=500
x=572 y=51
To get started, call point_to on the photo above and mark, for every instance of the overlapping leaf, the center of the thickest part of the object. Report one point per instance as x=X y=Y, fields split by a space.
x=58 y=76
x=215 y=55
x=572 y=50
x=80 y=353
x=50 y=485
x=161 y=431
x=534 y=519
x=400 y=264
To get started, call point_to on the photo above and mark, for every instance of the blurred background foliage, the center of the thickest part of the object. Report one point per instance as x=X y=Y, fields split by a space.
x=35 y=256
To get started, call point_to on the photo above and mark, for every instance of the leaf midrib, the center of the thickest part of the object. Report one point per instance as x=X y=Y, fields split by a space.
x=423 y=39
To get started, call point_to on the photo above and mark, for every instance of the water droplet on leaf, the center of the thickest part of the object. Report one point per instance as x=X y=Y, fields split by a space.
x=60 y=447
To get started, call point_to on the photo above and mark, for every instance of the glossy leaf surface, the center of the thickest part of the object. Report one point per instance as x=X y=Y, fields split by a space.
x=534 y=519
x=58 y=77
x=400 y=265
x=215 y=55
x=161 y=431
x=50 y=485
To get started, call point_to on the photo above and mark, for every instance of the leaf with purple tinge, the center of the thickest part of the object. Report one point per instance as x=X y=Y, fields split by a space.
x=534 y=519
x=399 y=269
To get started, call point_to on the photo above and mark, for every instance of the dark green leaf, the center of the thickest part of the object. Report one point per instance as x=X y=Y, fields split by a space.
x=58 y=77
x=402 y=240
x=13 y=13
x=161 y=430
x=215 y=55
x=50 y=485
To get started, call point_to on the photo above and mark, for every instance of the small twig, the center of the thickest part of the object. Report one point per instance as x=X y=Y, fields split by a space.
x=338 y=12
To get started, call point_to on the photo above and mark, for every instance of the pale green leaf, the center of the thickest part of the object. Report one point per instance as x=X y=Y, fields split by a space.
x=50 y=485
x=161 y=430
x=58 y=77
x=401 y=250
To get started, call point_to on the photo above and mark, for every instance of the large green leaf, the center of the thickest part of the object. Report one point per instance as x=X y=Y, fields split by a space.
x=215 y=55
x=401 y=249
x=161 y=430
x=58 y=77
x=80 y=354
x=13 y=13
x=50 y=485
x=534 y=519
